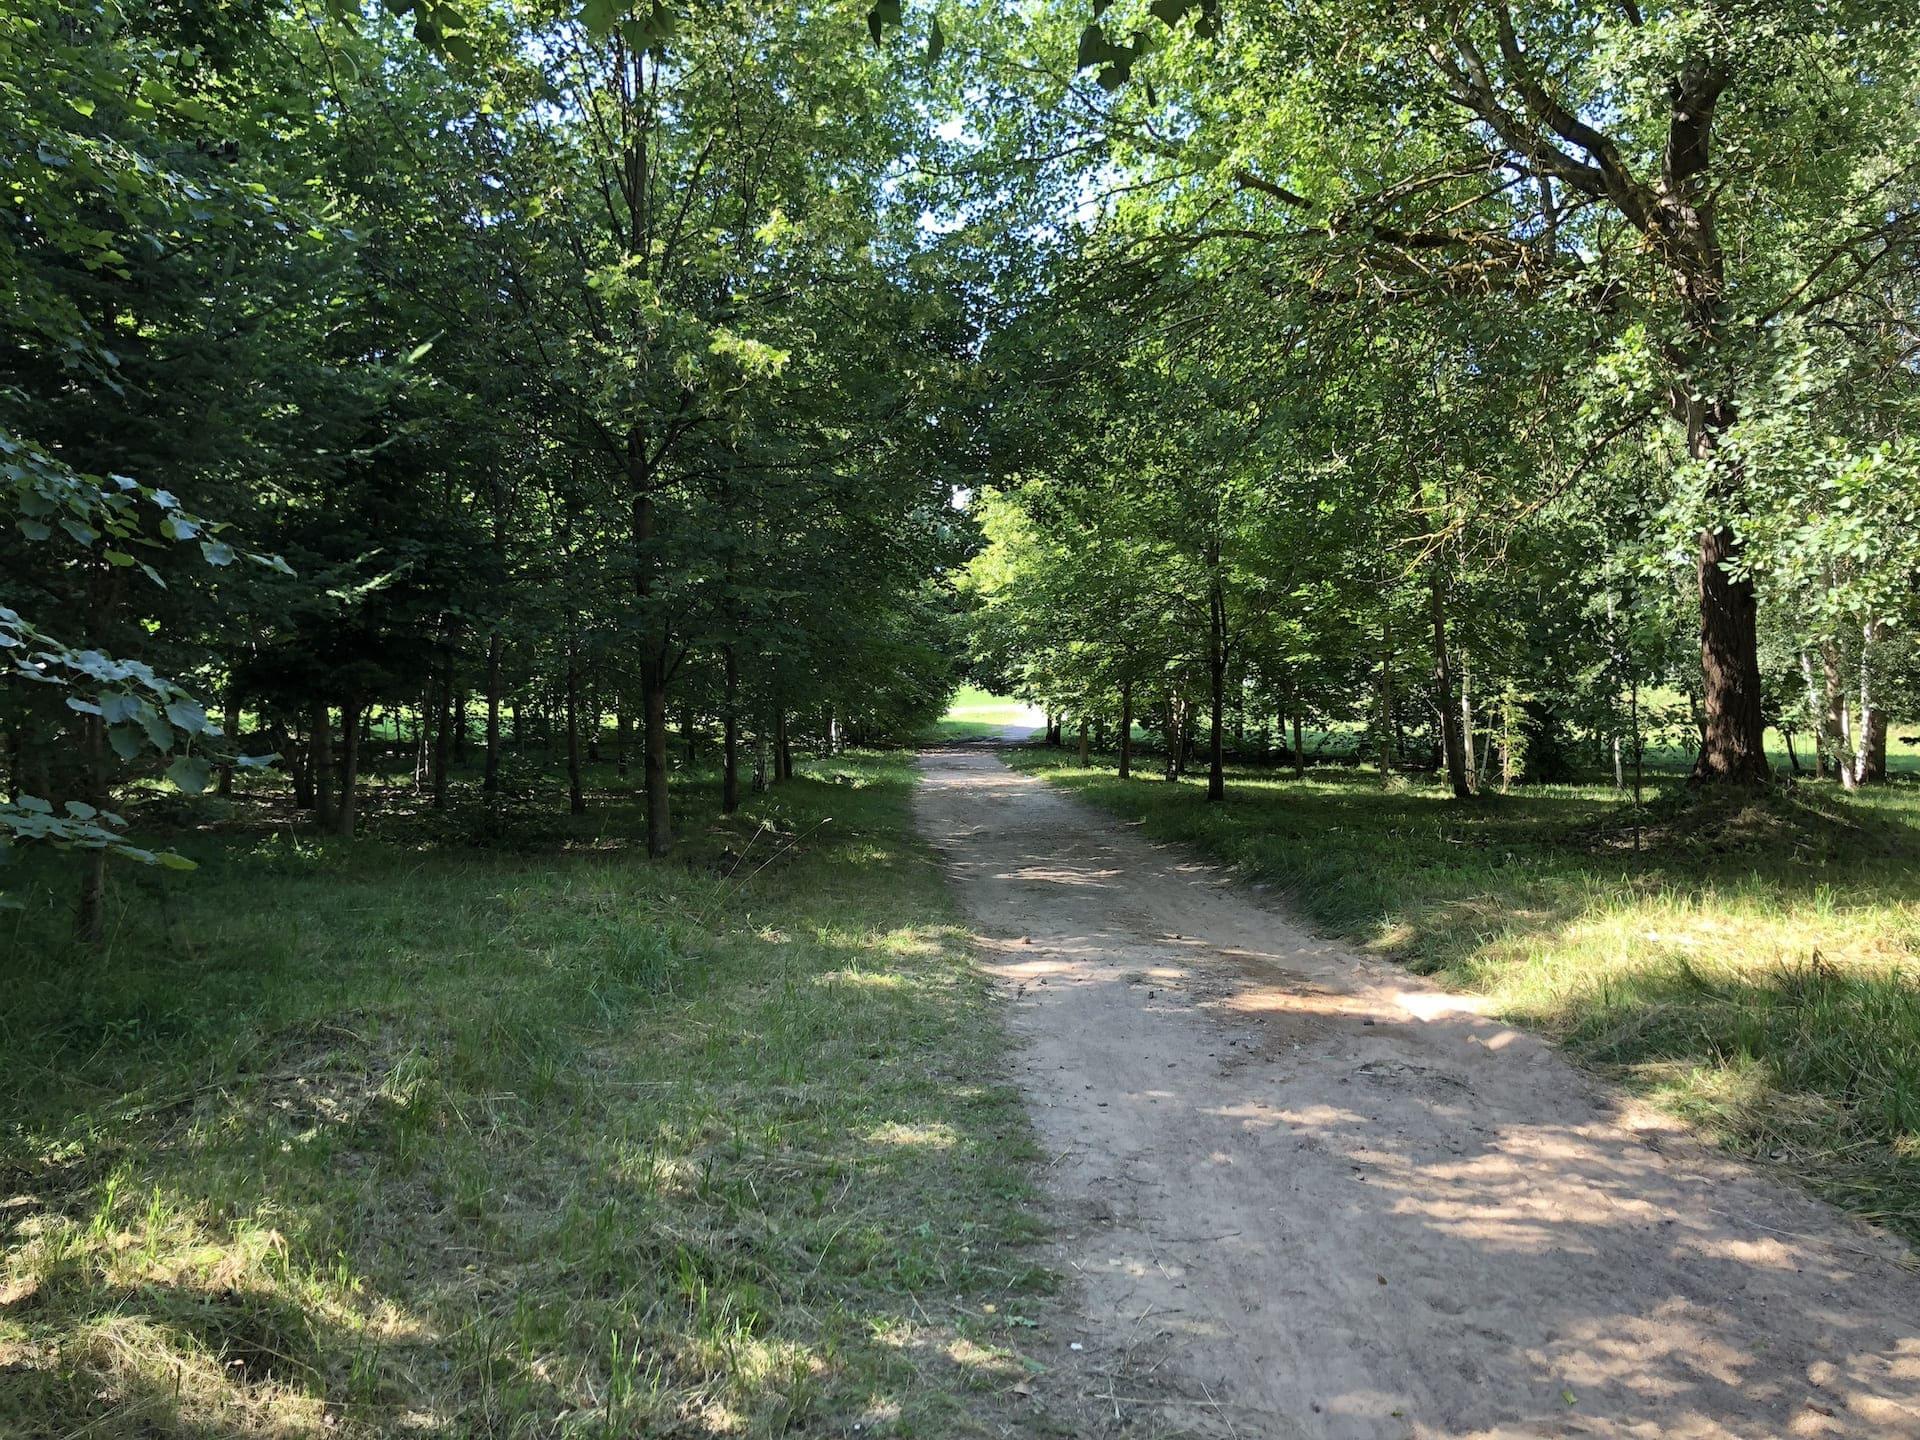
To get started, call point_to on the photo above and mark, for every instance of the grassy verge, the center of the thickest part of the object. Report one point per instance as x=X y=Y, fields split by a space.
x=412 y=1135
x=1754 y=967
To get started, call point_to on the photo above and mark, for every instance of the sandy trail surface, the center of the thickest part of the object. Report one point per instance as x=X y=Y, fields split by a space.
x=1300 y=1193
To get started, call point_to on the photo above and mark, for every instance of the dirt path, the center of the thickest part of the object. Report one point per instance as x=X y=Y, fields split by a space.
x=1300 y=1194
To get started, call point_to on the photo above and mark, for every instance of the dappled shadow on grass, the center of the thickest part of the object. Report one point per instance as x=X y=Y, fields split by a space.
x=489 y=1144
x=1752 y=964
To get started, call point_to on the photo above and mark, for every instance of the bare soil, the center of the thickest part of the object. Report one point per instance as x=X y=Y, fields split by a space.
x=1300 y=1192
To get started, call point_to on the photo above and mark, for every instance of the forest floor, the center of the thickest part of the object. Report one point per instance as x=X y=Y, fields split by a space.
x=448 y=1133
x=1302 y=1191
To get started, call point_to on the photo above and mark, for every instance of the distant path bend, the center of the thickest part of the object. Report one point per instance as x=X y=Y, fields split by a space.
x=1302 y=1194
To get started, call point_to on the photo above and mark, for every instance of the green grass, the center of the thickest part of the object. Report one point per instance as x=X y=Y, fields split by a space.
x=421 y=1135
x=1755 y=966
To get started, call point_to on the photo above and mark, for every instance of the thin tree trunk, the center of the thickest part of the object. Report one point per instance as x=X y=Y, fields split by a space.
x=1386 y=697
x=1451 y=740
x=490 y=779
x=1839 y=722
x=320 y=751
x=730 y=742
x=687 y=740
x=622 y=733
x=231 y=724
x=782 y=751
x=345 y=813
x=90 y=910
x=1870 y=754
x=1466 y=724
x=653 y=707
x=653 y=661
x=576 y=796
x=1126 y=729
x=1814 y=712
x=1217 y=687
x=443 y=735
x=1085 y=751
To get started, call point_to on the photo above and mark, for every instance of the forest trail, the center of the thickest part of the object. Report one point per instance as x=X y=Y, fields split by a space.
x=1298 y=1192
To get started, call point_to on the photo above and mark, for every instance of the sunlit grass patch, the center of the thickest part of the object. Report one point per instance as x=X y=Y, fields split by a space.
x=417 y=1137
x=1753 y=965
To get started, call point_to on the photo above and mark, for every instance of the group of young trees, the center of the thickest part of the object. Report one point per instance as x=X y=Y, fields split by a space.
x=465 y=367
x=1459 y=373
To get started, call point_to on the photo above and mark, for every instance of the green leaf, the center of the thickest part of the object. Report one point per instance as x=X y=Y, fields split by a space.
x=190 y=774
x=187 y=715
x=167 y=860
x=599 y=16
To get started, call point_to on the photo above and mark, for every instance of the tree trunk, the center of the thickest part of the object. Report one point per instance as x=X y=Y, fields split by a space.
x=1084 y=743
x=1466 y=725
x=1217 y=687
x=1839 y=724
x=1733 y=732
x=687 y=740
x=293 y=756
x=1386 y=697
x=653 y=712
x=344 y=815
x=576 y=796
x=1126 y=729
x=1814 y=712
x=1870 y=754
x=1299 y=745
x=490 y=779
x=782 y=749
x=1172 y=734
x=320 y=763
x=90 y=911
x=1452 y=743
x=730 y=742
x=443 y=735
x=231 y=723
